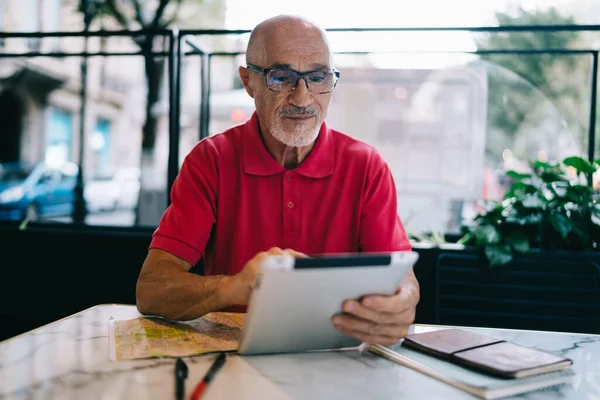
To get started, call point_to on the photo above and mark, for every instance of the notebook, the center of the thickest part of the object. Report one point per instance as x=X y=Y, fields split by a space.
x=486 y=354
x=482 y=385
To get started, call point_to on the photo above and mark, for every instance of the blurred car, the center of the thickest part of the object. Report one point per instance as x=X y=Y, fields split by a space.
x=35 y=191
x=110 y=193
x=101 y=194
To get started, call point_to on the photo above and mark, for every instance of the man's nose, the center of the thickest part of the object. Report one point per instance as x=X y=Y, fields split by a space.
x=301 y=96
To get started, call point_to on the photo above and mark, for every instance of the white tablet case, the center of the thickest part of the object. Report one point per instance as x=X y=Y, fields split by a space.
x=290 y=309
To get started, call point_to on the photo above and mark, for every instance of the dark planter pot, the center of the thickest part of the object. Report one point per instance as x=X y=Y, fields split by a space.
x=542 y=290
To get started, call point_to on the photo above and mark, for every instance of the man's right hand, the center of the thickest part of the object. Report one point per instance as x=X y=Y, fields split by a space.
x=244 y=280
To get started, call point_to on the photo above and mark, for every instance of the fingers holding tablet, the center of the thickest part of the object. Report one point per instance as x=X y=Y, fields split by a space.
x=370 y=332
x=380 y=319
x=246 y=278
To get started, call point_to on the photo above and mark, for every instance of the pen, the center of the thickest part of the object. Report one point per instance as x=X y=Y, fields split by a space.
x=181 y=373
x=203 y=384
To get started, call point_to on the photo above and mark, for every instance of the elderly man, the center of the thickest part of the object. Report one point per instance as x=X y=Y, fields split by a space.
x=282 y=180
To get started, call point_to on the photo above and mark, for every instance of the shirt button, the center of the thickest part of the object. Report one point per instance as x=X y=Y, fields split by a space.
x=290 y=205
x=288 y=178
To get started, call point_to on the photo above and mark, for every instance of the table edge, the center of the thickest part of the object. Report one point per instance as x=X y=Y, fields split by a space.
x=65 y=318
x=416 y=325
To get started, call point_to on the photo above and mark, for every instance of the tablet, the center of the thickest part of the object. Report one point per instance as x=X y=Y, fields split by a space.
x=293 y=300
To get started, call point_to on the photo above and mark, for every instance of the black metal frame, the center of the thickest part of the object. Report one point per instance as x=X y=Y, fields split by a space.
x=175 y=54
x=299 y=75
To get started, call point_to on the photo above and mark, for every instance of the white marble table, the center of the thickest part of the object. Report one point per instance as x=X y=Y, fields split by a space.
x=69 y=359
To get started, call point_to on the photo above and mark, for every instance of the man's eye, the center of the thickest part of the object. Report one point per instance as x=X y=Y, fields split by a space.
x=317 y=79
x=280 y=79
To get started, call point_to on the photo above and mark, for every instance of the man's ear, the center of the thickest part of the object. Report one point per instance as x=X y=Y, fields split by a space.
x=245 y=76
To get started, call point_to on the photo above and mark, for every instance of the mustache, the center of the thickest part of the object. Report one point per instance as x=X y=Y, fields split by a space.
x=295 y=111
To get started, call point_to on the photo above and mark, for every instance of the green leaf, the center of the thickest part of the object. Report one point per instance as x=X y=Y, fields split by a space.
x=516 y=175
x=561 y=223
x=518 y=190
x=492 y=206
x=524 y=187
x=582 y=234
x=597 y=161
x=510 y=213
x=595 y=206
x=580 y=164
x=543 y=165
x=419 y=237
x=23 y=224
x=596 y=219
x=498 y=254
x=519 y=241
x=580 y=194
x=486 y=234
x=551 y=176
x=533 y=201
x=465 y=239
x=437 y=238
x=534 y=218
x=560 y=188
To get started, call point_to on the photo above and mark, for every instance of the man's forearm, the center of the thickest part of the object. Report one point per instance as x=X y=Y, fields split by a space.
x=180 y=295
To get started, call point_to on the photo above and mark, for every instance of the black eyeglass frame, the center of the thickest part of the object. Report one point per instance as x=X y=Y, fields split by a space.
x=301 y=75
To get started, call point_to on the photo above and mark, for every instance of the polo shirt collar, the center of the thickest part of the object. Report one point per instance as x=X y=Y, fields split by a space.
x=258 y=161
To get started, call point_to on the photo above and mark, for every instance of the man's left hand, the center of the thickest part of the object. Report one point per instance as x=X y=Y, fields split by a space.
x=381 y=319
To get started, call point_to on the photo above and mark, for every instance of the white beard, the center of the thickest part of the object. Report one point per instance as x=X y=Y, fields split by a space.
x=299 y=136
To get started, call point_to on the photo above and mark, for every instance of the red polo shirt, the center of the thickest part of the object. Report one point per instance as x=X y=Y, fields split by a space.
x=231 y=200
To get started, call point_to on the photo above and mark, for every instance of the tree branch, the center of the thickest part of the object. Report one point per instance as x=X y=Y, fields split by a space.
x=159 y=12
x=174 y=16
x=138 y=13
x=116 y=13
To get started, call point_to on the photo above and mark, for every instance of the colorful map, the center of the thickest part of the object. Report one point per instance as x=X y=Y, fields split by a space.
x=147 y=337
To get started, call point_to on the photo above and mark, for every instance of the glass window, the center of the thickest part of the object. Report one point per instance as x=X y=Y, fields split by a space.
x=100 y=144
x=59 y=137
x=29 y=21
x=448 y=125
x=2 y=16
x=51 y=19
x=29 y=15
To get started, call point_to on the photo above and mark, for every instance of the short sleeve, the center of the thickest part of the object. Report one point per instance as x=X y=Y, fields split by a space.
x=186 y=225
x=381 y=229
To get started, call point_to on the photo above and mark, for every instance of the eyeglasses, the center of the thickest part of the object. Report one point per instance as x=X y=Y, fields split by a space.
x=286 y=80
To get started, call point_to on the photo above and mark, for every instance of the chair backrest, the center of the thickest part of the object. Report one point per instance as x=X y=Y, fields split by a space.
x=543 y=291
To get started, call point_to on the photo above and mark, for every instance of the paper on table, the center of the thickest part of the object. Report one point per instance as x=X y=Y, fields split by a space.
x=147 y=337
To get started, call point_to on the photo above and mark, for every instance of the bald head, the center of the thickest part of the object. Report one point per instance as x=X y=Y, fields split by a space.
x=292 y=118
x=286 y=30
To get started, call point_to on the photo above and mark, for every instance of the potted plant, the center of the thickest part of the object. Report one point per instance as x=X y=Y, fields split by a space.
x=545 y=234
x=554 y=208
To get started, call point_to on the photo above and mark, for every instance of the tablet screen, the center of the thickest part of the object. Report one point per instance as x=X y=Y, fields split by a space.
x=343 y=260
